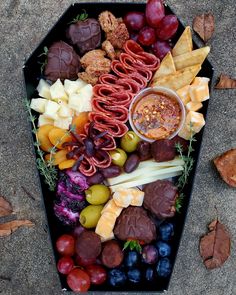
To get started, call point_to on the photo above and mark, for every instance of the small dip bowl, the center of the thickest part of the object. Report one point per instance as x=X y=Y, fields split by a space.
x=156 y=113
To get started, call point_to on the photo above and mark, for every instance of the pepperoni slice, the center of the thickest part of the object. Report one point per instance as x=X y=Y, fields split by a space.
x=129 y=85
x=87 y=167
x=133 y=48
x=102 y=159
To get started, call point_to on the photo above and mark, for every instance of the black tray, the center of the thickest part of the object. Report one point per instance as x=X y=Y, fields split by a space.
x=32 y=74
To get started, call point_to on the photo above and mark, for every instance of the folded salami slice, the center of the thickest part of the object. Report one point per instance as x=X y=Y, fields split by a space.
x=119 y=69
x=87 y=166
x=142 y=81
x=133 y=48
x=108 y=79
x=128 y=61
x=129 y=85
x=102 y=159
x=113 y=127
x=145 y=73
x=148 y=60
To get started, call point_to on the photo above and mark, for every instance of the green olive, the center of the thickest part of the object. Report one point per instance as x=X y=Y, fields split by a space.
x=90 y=215
x=129 y=142
x=97 y=194
x=118 y=157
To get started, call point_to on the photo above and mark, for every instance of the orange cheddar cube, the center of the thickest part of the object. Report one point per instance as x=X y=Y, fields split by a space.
x=199 y=93
x=193 y=106
x=194 y=121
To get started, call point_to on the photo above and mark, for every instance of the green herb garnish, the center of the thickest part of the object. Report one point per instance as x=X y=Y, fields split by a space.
x=133 y=245
x=43 y=64
x=80 y=17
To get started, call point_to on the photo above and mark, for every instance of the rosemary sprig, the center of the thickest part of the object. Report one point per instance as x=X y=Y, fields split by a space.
x=188 y=160
x=80 y=17
x=43 y=64
x=45 y=168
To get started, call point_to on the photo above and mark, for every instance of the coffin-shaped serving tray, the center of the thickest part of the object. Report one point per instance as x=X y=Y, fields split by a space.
x=32 y=74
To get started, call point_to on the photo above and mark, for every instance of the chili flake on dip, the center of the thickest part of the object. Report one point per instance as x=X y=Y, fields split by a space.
x=156 y=113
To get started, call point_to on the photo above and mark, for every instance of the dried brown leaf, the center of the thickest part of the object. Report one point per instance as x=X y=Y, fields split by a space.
x=5 y=207
x=204 y=26
x=226 y=82
x=9 y=227
x=215 y=245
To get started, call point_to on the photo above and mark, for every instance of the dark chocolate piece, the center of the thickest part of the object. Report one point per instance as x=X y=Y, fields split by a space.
x=63 y=62
x=85 y=35
x=160 y=197
x=134 y=224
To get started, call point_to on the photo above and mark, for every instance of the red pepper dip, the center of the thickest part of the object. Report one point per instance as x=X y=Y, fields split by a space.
x=156 y=115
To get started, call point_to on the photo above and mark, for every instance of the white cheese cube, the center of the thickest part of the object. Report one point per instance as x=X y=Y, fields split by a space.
x=199 y=93
x=43 y=89
x=57 y=91
x=73 y=86
x=184 y=94
x=43 y=120
x=200 y=81
x=64 y=111
x=193 y=106
x=81 y=102
x=184 y=133
x=51 y=108
x=194 y=120
x=38 y=104
x=63 y=123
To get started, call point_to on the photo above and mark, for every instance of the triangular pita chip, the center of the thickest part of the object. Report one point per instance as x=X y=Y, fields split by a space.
x=191 y=58
x=184 y=44
x=167 y=67
x=179 y=79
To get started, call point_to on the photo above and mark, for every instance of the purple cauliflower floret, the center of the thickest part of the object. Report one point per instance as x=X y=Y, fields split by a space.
x=62 y=191
x=78 y=179
x=66 y=215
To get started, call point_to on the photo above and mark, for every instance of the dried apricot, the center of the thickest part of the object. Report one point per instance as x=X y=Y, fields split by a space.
x=42 y=134
x=58 y=136
x=79 y=121
x=58 y=157
x=66 y=164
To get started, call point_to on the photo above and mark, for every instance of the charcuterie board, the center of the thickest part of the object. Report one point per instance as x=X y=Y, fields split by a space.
x=117 y=100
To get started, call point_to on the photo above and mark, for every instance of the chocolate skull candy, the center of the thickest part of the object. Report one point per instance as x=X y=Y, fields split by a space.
x=85 y=35
x=134 y=224
x=63 y=62
x=160 y=197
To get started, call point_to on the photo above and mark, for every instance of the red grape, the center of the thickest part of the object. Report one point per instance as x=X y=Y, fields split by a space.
x=78 y=280
x=155 y=11
x=134 y=20
x=65 y=245
x=134 y=36
x=78 y=230
x=147 y=36
x=161 y=48
x=97 y=274
x=167 y=27
x=150 y=254
x=84 y=261
x=65 y=265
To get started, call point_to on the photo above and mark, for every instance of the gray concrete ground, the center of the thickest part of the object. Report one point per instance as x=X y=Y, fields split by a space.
x=26 y=261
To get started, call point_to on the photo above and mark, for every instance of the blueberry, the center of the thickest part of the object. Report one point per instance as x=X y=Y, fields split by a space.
x=163 y=248
x=116 y=277
x=134 y=275
x=164 y=267
x=131 y=259
x=150 y=274
x=166 y=231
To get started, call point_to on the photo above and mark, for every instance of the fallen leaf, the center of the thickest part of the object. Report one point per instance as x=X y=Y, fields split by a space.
x=226 y=82
x=5 y=207
x=215 y=245
x=204 y=26
x=9 y=227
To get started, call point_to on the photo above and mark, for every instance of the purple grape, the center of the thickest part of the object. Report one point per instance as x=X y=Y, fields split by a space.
x=149 y=254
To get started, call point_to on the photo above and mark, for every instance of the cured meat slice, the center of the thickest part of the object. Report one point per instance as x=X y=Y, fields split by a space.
x=102 y=159
x=103 y=90
x=113 y=127
x=129 y=85
x=139 y=79
x=102 y=105
x=119 y=69
x=128 y=61
x=150 y=61
x=87 y=167
x=133 y=48
x=108 y=79
x=145 y=73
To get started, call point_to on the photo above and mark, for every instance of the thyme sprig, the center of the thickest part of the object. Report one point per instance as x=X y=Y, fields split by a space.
x=46 y=169
x=179 y=202
x=188 y=160
x=45 y=53
x=80 y=17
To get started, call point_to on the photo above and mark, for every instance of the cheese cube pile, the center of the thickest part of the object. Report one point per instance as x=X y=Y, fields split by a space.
x=58 y=103
x=122 y=198
x=192 y=96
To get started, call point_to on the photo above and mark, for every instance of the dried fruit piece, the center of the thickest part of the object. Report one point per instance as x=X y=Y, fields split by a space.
x=57 y=158
x=226 y=166
x=215 y=246
x=45 y=143
x=58 y=136
x=5 y=207
x=9 y=227
x=226 y=82
x=204 y=26
x=66 y=164
x=79 y=122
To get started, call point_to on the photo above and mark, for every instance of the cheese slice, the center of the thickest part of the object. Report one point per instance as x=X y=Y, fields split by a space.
x=111 y=207
x=199 y=93
x=105 y=225
x=122 y=197
x=137 y=197
x=194 y=106
x=111 y=237
x=195 y=121
x=183 y=93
